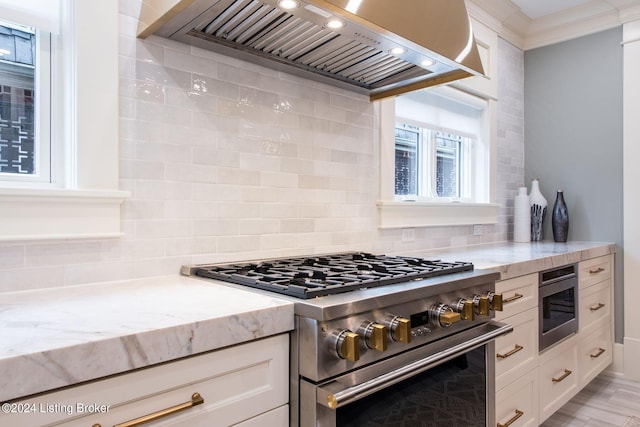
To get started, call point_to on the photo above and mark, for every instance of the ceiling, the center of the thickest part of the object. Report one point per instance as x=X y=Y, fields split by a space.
x=533 y=23
x=535 y=9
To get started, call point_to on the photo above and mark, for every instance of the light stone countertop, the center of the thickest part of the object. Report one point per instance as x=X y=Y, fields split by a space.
x=58 y=337
x=517 y=259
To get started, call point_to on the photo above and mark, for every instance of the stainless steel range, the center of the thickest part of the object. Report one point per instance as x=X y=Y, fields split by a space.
x=382 y=340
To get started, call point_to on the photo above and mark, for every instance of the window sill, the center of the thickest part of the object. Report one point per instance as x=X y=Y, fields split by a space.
x=434 y=214
x=43 y=214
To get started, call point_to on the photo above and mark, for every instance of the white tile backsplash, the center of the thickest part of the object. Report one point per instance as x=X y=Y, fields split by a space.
x=228 y=160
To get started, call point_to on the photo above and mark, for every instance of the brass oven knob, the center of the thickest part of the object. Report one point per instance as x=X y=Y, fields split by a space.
x=482 y=304
x=375 y=335
x=495 y=300
x=466 y=309
x=400 y=329
x=348 y=346
x=443 y=315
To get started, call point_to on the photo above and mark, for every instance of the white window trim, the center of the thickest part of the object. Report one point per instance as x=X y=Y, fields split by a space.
x=88 y=204
x=401 y=214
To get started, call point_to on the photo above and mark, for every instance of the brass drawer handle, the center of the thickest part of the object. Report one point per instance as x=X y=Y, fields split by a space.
x=196 y=399
x=598 y=353
x=513 y=298
x=513 y=419
x=511 y=353
x=596 y=307
x=557 y=380
x=596 y=271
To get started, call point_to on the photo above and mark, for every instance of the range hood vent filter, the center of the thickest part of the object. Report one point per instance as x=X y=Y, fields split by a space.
x=273 y=33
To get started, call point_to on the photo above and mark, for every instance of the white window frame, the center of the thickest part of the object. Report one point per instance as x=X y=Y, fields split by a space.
x=87 y=200
x=394 y=213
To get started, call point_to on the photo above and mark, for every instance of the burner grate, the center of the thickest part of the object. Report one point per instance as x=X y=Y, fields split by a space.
x=310 y=277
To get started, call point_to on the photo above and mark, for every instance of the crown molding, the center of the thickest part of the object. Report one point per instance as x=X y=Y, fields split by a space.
x=526 y=33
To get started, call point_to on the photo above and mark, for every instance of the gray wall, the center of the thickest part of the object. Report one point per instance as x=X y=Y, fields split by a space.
x=573 y=137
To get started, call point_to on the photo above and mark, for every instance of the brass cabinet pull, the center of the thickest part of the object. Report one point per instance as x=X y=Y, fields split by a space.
x=196 y=399
x=511 y=353
x=596 y=271
x=598 y=353
x=562 y=377
x=513 y=298
x=596 y=307
x=513 y=419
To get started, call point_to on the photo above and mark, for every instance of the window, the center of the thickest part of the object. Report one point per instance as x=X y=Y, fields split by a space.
x=79 y=196
x=436 y=159
x=24 y=104
x=430 y=163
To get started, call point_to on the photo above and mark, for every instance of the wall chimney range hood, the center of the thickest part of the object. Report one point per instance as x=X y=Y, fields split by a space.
x=376 y=47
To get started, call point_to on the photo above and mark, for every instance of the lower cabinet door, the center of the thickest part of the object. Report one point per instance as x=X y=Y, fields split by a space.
x=558 y=376
x=517 y=352
x=594 y=353
x=517 y=403
x=222 y=388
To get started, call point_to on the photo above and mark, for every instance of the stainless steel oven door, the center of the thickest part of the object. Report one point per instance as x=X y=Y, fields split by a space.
x=558 y=306
x=450 y=379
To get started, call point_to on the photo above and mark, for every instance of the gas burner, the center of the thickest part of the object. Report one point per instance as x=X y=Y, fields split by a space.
x=310 y=277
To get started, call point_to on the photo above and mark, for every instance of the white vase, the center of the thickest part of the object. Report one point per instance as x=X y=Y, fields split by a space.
x=538 y=211
x=522 y=216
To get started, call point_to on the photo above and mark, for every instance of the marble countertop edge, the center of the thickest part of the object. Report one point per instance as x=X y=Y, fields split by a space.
x=89 y=332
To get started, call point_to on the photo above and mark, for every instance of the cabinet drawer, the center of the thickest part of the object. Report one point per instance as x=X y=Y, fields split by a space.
x=594 y=353
x=595 y=270
x=518 y=402
x=236 y=383
x=278 y=417
x=558 y=379
x=595 y=305
x=517 y=351
x=518 y=294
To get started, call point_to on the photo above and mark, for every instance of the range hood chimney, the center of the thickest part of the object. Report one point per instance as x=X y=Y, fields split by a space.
x=380 y=48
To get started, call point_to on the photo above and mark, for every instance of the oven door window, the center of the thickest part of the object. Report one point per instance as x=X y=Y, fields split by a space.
x=450 y=394
x=558 y=309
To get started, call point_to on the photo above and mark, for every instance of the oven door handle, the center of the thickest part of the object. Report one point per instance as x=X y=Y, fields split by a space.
x=334 y=395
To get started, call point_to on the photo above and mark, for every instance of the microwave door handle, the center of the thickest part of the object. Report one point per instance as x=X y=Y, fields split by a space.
x=334 y=395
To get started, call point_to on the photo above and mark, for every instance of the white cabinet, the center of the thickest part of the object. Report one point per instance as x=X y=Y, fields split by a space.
x=518 y=295
x=595 y=270
x=594 y=353
x=517 y=403
x=243 y=385
x=530 y=386
x=595 y=349
x=516 y=354
x=558 y=377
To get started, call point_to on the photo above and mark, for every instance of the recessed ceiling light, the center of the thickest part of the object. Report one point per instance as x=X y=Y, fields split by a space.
x=397 y=51
x=288 y=4
x=427 y=62
x=334 y=24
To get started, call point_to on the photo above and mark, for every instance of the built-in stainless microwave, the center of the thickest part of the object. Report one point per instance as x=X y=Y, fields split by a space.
x=558 y=304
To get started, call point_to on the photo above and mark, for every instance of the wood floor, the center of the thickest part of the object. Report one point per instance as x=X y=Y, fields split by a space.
x=607 y=401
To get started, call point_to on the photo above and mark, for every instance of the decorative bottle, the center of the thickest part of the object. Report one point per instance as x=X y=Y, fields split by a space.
x=522 y=216
x=538 y=211
x=560 y=219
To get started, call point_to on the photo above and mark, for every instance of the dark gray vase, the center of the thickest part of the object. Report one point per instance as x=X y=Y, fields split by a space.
x=560 y=219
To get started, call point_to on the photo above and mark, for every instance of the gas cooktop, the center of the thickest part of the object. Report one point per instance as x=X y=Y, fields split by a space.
x=313 y=276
